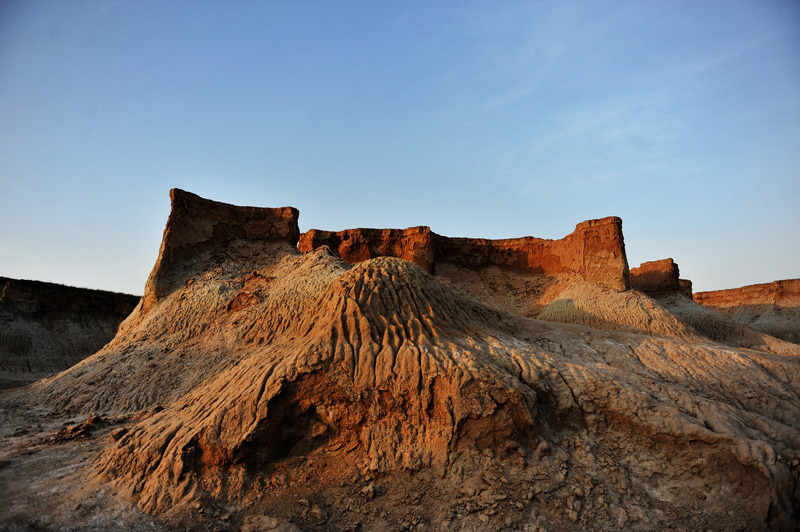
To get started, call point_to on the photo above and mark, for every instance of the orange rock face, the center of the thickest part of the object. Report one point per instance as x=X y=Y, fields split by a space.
x=595 y=250
x=685 y=287
x=197 y=228
x=773 y=308
x=415 y=244
x=783 y=293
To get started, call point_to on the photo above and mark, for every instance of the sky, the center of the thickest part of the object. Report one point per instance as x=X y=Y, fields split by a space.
x=483 y=119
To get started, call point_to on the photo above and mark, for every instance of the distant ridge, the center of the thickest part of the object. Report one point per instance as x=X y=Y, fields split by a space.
x=47 y=327
x=773 y=308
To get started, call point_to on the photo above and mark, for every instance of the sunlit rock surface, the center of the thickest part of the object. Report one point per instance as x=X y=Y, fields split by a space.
x=262 y=383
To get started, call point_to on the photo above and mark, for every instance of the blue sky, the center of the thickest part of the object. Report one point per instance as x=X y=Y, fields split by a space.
x=485 y=119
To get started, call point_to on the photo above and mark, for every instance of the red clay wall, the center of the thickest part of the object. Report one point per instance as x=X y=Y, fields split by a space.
x=656 y=276
x=595 y=250
x=781 y=293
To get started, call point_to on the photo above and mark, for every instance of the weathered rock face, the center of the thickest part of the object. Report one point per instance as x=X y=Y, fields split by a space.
x=415 y=244
x=773 y=308
x=198 y=228
x=656 y=276
x=46 y=327
x=283 y=376
x=660 y=277
x=780 y=293
x=595 y=250
x=685 y=287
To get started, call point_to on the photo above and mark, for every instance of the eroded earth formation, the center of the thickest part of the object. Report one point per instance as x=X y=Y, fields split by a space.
x=46 y=327
x=773 y=308
x=398 y=379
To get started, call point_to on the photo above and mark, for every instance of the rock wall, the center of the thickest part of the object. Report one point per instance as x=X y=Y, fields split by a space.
x=656 y=276
x=197 y=228
x=659 y=277
x=781 y=293
x=773 y=308
x=595 y=250
x=414 y=244
x=47 y=327
x=685 y=287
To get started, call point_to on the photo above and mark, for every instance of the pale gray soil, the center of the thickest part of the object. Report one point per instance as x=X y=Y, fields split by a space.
x=45 y=485
x=17 y=379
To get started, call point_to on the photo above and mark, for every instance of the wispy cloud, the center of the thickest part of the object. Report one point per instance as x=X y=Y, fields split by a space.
x=601 y=145
x=508 y=97
x=533 y=71
x=703 y=62
x=614 y=123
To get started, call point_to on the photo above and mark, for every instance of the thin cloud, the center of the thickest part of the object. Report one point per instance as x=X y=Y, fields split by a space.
x=613 y=123
x=706 y=62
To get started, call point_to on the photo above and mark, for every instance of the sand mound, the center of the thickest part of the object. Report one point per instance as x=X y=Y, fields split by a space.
x=393 y=372
x=777 y=322
x=722 y=329
x=594 y=306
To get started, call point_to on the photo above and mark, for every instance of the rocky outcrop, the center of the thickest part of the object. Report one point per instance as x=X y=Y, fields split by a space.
x=198 y=229
x=656 y=276
x=660 y=277
x=271 y=377
x=784 y=293
x=414 y=244
x=46 y=327
x=773 y=308
x=685 y=287
x=595 y=250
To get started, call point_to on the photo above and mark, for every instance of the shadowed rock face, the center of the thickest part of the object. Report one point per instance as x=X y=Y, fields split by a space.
x=773 y=308
x=660 y=277
x=595 y=250
x=656 y=276
x=47 y=327
x=282 y=375
x=685 y=287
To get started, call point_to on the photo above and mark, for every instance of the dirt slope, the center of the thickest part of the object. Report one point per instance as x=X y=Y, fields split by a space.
x=266 y=381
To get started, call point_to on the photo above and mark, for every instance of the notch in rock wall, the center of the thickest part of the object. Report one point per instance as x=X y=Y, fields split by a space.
x=414 y=244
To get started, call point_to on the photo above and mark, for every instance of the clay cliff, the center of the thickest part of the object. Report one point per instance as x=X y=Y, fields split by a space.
x=46 y=327
x=200 y=230
x=773 y=308
x=414 y=244
x=658 y=277
x=780 y=293
x=595 y=251
x=263 y=384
